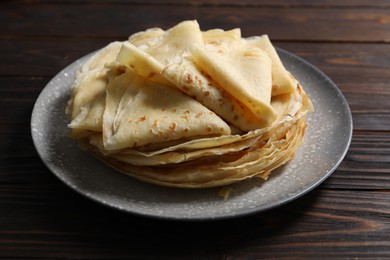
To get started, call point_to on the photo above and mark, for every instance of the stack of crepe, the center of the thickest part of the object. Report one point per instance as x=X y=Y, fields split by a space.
x=189 y=108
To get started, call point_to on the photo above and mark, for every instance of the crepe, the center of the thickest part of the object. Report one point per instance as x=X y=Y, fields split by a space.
x=282 y=82
x=149 y=57
x=244 y=73
x=224 y=169
x=139 y=112
x=86 y=106
x=189 y=108
x=169 y=58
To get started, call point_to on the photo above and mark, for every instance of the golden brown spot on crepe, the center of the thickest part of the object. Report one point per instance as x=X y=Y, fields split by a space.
x=199 y=80
x=151 y=74
x=155 y=123
x=187 y=111
x=250 y=54
x=141 y=119
x=172 y=127
x=199 y=114
x=131 y=66
x=174 y=110
x=186 y=130
x=189 y=78
x=206 y=93
x=209 y=128
x=121 y=69
x=274 y=87
x=235 y=117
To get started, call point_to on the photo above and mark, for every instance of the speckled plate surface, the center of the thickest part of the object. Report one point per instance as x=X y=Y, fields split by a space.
x=326 y=143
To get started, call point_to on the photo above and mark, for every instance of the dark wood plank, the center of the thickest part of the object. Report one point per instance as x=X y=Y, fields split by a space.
x=366 y=165
x=43 y=57
x=245 y=3
x=59 y=223
x=336 y=224
x=118 y=21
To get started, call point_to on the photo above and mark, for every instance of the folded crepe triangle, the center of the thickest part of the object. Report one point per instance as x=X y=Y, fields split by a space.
x=149 y=58
x=245 y=73
x=222 y=40
x=139 y=112
x=87 y=105
x=282 y=82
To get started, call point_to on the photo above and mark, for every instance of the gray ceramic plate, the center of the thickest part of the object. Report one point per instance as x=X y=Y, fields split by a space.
x=326 y=143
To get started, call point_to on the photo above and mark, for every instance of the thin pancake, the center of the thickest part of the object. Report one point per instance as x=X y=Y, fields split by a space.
x=139 y=112
x=281 y=80
x=245 y=73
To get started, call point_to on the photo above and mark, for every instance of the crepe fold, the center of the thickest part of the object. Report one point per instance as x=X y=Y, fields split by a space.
x=189 y=108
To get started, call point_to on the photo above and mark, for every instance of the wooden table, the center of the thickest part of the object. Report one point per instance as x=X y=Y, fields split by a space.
x=347 y=216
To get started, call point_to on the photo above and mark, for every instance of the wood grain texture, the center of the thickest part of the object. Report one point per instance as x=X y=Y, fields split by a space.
x=346 y=217
x=54 y=226
x=295 y=24
x=366 y=165
x=243 y=3
x=43 y=57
